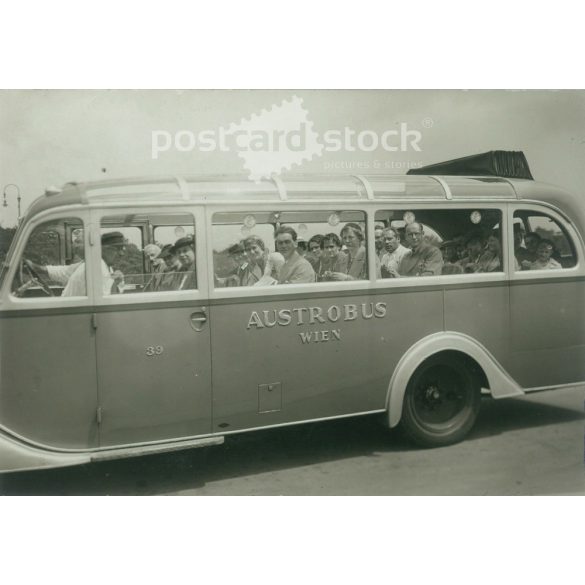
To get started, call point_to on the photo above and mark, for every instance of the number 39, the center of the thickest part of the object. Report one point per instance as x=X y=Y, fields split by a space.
x=154 y=350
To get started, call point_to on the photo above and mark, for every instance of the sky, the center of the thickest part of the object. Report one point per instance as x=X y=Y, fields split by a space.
x=50 y=137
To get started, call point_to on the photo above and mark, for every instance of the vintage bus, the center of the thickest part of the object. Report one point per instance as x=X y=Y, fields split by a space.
x=107 y=351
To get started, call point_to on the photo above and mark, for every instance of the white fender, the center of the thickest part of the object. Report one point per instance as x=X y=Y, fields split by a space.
x=501 y=384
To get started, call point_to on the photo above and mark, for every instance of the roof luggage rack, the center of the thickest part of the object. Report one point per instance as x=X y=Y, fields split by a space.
x=495 y=163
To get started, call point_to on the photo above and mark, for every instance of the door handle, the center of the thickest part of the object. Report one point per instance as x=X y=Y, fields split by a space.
x=198 y=320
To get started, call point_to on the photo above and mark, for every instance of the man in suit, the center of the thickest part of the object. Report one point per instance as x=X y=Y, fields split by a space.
x=424 y=259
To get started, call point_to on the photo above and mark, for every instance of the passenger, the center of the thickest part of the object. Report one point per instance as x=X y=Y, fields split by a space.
x=296 y=269
x=379 y=241
x=354 y=226
x=424 y=259
x=186 y=276
x=315 y=254
x=544 y=259
x=161 y=268
x=72 y=276
x=394 y=252
x=256 y=253
x=238 y=256
x=302 y=247
x=274 y=264
x=172 y=266
x=520 y=252
x=532 y=239
x=451 y=263
x=475 y=248
x=334 y=260
x=491 y=259
x=460 y=248
x=152 y=252
x=357 y=266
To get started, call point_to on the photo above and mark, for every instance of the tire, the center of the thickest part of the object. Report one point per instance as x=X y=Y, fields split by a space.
x=441 y=402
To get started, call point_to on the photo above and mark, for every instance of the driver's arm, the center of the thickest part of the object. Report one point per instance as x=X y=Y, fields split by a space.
x=59 y=274
x=37 y=267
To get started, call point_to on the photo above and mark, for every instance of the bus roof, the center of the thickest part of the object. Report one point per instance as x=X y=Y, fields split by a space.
x=305 y=188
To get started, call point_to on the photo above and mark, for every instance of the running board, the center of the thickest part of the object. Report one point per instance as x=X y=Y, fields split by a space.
x=122 y=453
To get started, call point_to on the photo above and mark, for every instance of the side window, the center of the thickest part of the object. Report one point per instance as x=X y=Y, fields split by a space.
x=53 y=262
x=144 y=253
x=541 y=243
x=268 y=248
x=433 y=242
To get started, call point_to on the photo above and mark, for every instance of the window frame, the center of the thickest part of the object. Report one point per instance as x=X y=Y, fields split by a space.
x=142 y=298
x=373 y=282
x=450 y=279
x=10 y=301
x=312 y=288
x=566 y=226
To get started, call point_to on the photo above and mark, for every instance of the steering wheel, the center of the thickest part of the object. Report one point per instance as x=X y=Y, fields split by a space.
x=34 y=279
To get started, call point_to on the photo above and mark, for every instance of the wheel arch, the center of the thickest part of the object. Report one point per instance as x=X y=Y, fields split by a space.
x=491 y=374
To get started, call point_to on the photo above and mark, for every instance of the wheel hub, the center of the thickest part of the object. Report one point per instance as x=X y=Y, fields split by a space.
x=440 y=397
x=433 y=393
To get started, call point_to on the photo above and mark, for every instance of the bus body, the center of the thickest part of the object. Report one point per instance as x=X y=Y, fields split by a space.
x=94 y=375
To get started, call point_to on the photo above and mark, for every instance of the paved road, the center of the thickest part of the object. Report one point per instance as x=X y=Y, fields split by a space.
x=532 y=445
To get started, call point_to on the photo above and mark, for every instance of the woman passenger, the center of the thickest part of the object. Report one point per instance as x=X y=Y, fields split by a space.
x=333 y=259
x=315 y=254
x=357 y=265
x=256 y=253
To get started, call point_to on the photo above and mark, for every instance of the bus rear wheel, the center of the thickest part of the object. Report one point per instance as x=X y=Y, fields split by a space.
x=442 y=402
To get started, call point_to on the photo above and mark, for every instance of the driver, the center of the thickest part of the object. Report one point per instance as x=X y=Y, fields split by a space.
x=73 y=275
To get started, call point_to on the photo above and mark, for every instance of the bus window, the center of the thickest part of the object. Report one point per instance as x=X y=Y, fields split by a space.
x=289 y=247
x=433 y=242
x=541 y=243
x=148 y=253
x=53 y=262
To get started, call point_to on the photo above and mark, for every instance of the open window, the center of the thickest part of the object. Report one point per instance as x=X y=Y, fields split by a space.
x=53 y=262
x=541 y=242
x=264 y=248
x=147 y=253
x=434 y=242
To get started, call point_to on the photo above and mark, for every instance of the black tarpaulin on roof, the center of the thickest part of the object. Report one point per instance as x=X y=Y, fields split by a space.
x=496 y=163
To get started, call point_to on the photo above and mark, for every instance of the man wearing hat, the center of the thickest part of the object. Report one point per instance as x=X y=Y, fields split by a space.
x=72 y=277
x=451 y=264
x=237 y=255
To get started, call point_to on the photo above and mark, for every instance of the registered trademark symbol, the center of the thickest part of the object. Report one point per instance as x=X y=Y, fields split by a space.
x=428 y=122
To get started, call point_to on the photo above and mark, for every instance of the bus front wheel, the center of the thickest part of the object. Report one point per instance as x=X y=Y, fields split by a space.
x=441 y=402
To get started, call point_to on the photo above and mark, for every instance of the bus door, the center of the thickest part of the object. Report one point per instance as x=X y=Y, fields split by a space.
x=153 y=341
x=47 y=349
